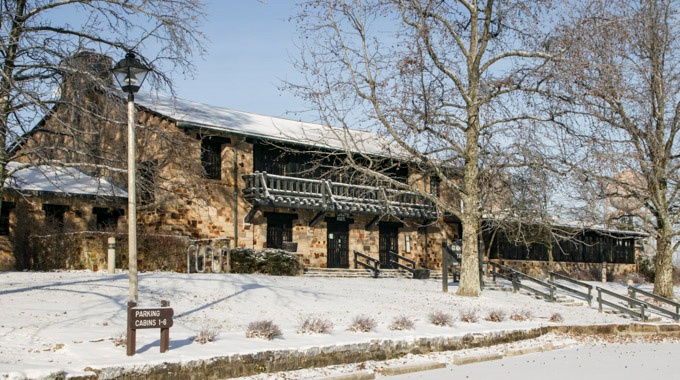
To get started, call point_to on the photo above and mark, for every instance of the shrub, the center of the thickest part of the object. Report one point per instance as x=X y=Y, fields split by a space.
x=439 y=318
x=557 y=318
x=206 y=335
x=401 y=323
x=593 y=274
x=120 y=340
x=469 y=315
x=314 y=325
x=635 y=277
x=495 y=315
x=521 y=315
x=263 y=329
x=646 y=267
x=270 y=261
x=362 y=323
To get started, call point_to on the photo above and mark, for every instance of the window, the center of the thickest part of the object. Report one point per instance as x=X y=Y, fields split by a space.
x=279 y=229
x=268 y=159
x=147 y=181
x=211 y=157
x=106 y=218
x=54 y=214
x=434 y=185
x=4 y=217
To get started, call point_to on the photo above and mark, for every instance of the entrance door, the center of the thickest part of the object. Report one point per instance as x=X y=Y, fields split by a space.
x=388 y=240
x=338 y=245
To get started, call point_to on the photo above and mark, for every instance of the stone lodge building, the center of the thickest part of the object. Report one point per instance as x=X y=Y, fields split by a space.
x=213 y=173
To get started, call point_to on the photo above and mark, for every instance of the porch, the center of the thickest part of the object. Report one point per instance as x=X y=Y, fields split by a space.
x=324 y=196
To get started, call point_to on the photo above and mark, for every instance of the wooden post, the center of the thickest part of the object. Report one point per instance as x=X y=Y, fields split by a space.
x=165 y=332
x=131 y=333
x=445 y=268
x=112 y=255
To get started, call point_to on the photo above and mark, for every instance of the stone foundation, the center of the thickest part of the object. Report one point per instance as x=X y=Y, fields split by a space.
x=539 y=269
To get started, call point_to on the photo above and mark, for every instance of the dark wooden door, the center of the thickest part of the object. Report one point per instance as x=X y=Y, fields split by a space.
x=388 y=240
x=338 y=245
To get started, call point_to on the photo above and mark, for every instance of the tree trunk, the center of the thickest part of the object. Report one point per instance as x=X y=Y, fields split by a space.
x=663 y=280
x=469 y=271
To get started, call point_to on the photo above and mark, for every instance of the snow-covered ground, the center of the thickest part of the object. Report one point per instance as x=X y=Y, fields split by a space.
x=65 y=320
x=589 y=361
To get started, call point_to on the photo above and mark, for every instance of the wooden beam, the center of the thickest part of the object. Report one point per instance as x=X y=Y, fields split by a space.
x=317 y=218
x=373 y=222
x=251 y=214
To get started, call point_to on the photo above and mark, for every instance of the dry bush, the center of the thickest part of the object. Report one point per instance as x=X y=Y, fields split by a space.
x=362 y=323
x=635 y=277
x=206 y=335
x=592 y=274
x=315 y=325
x=556 y=317
x=439 y=318
x=676 y=275
x=521 y=315
x=495 y=315
x=120 y=340
x=401 y=323
x=469 y=315
x=263 y=329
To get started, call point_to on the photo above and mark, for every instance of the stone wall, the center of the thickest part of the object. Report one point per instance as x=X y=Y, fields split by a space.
x=540 y=269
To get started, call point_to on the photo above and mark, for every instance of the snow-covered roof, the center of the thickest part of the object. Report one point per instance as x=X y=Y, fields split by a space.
x=269 y=127
x=578 y=225
x=66 y=180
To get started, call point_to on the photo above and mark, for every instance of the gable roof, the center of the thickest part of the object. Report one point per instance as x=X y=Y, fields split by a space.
x=267 y=127
x=64 y=180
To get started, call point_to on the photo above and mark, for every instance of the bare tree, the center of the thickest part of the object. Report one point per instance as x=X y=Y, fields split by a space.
x=54 y=69
x=444 y=80
x=620 y=78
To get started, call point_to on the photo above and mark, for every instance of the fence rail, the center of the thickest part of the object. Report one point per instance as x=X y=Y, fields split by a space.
x=516 y=278
x=632 y=292
x=394 y=260
x=631 y=301
x=588 y=296
x=375 y=267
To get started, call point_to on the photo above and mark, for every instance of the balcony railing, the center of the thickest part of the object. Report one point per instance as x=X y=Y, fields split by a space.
x=262 y=189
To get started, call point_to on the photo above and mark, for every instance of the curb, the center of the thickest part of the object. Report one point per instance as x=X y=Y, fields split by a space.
x=352 y=376
x=223 y=367
x=463 y=360
x=393 y=371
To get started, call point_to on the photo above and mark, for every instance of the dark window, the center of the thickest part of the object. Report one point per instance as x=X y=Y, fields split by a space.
x=211 y=158
x=279 y=229
x=147 y=181
x=4 y=217
x=106 y=218
x=54 y=214
x=269 y=159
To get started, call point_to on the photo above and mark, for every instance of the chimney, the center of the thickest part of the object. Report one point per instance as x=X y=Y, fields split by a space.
x=86 y=73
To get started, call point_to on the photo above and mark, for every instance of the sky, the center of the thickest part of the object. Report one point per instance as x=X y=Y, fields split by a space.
x=249 y=53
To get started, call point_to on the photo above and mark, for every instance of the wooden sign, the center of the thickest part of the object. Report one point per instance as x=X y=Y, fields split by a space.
x=151 y=318
x=148 y=318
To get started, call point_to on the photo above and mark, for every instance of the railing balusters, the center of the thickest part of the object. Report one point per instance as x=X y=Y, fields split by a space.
x=270 y=189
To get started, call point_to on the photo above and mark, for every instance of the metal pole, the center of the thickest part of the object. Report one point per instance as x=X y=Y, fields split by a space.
x=132 y=197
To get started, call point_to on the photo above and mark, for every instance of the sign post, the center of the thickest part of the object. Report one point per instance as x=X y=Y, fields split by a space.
x=144 y=318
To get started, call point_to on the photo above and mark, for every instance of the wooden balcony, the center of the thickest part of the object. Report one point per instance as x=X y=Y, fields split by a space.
x=262 y=189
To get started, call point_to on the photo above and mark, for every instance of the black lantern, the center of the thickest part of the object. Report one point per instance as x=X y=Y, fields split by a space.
x=130 y=73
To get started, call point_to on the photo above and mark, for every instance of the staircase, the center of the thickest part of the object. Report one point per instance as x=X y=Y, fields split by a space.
x=354 y=273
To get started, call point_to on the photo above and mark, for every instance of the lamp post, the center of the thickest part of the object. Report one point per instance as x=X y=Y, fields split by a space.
x=130 y=74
